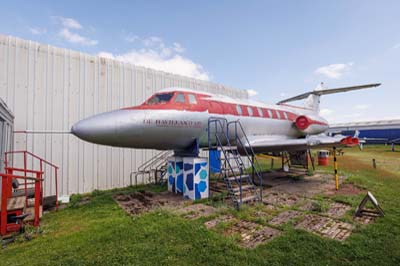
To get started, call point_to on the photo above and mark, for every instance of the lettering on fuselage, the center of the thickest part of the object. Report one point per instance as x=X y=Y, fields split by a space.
x=173 y=123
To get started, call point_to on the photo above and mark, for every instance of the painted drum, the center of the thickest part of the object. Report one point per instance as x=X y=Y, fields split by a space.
x=323 y=157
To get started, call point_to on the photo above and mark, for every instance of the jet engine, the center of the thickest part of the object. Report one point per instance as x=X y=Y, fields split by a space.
x=310 y=124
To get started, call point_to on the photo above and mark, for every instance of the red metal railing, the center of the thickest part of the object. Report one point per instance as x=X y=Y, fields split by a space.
x=6 y=193
x=25 y=170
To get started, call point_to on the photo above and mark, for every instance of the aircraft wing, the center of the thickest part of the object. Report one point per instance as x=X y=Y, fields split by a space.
x=262 y=144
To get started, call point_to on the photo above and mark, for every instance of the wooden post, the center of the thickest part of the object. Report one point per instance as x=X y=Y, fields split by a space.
x=335 y=166
x=272 y=163
x=374 y=163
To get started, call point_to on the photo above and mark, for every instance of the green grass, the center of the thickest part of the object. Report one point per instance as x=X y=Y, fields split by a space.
x=100 y=233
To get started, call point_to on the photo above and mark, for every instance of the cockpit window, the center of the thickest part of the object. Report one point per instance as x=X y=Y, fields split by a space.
x=160 y=98
x=180 y=98
x=192 y=99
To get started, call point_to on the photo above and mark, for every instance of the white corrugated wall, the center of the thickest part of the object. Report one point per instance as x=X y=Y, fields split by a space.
x=49 y=89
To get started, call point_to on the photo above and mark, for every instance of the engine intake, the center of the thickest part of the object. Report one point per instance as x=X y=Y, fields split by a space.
x=310 y=125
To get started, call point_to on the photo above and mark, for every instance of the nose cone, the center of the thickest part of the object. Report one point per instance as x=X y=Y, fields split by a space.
x=106 y=128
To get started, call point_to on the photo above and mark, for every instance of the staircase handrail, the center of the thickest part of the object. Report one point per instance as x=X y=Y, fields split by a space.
x=255 y=163
x=219 y=143
x=41 y=161
x=152 y=160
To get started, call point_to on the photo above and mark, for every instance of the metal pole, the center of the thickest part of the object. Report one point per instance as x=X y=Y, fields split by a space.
x=252 y=167
x=336 y=170
x=3 y=219
x=26 y=187
x=56 y=182
x=36 y=220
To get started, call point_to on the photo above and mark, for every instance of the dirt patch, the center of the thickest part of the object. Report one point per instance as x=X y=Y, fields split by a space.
x=365 y=219
x=263 y=214
x=251 y=234
x=221 y=219
x=325 y=226
x=298 y=183
x=263 y=235
x=284 y=217
x=345 y=189
x=144 y=201
x=280 y=199
x=195 y=211
x=311 y=205
x=337 y=209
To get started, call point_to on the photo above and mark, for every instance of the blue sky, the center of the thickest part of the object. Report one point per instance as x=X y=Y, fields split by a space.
x=275 y=48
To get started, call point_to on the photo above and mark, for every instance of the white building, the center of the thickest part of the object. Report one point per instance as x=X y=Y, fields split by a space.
x=49 y=88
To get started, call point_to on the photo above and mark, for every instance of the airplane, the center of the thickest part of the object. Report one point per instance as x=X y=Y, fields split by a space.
x=177 y=118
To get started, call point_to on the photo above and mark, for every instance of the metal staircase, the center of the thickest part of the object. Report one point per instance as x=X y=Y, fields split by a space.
x=154 y=168
x=22 y=191
x=229 y=138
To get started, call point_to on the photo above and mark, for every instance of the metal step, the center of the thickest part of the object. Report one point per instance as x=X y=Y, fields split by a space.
x=229 y=148
x=233 y=168
x=249 y=199
x=231 y=157
x=244 y=188
x=233 y=178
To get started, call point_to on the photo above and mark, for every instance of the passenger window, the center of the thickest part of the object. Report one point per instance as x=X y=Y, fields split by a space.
x=278 y=114
x=180 y=98
x=286 y=116
x=250 y=110
x=239 y=109
x=192 y=99
x=259 y=111
x=270 y=113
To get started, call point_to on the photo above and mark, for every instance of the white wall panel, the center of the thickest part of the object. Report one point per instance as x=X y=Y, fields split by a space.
x=49 y=89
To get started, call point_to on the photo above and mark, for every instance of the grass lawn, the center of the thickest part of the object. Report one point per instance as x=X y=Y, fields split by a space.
x=100 y=233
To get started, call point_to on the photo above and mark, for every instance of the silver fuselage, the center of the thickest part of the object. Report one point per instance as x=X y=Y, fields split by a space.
x=168 y=129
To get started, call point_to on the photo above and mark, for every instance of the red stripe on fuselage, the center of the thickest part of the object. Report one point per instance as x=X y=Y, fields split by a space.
x=205 y=103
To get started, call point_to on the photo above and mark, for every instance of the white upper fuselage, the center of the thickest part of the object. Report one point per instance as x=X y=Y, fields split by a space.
x=172 y=119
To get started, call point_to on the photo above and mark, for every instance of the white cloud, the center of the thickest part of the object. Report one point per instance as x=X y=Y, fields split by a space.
x=361 y=106
x=37 y=31
x=69 y=23
x=283 y=94
x=71 y=37
x=158 y=55
x=252 y=93
x=178 y=48
x=396 y=46
x=326 y=112
x=153 y=41
x=131 y=38
x=67 y=31
x=334 y=71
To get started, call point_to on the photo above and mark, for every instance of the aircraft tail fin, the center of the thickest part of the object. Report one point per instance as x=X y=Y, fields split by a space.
x=313 y=97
